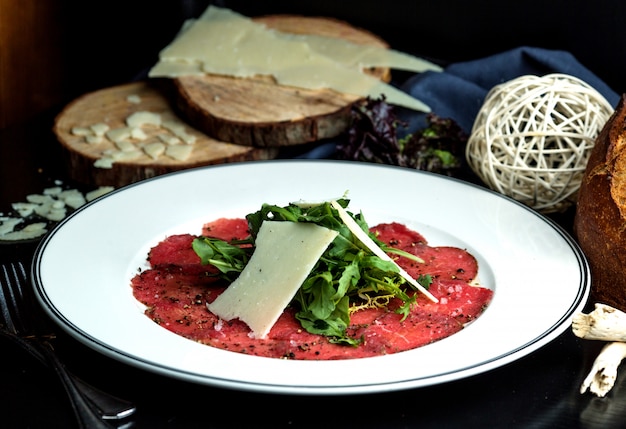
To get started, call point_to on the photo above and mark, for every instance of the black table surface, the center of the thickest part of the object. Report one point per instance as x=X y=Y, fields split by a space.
x=540 y=390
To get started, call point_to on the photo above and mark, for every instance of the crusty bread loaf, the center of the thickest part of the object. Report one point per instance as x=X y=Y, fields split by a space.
x=600 y=220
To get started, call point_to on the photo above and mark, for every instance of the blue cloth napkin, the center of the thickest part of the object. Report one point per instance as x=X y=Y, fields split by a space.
x=458 y=92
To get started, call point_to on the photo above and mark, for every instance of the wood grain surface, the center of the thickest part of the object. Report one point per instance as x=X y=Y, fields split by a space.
x=259 y=112
x=110 y=106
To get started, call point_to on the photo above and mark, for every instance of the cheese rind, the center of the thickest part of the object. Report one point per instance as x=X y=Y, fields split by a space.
x=284 y=256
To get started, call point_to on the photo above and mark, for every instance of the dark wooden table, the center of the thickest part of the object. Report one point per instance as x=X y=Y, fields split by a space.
x=538 y=391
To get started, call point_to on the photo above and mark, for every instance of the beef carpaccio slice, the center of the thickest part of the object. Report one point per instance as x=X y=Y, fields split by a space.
x=176 y=289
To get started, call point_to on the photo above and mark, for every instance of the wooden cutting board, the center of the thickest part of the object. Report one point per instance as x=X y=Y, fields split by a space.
x=258 y=112
x=113 y=106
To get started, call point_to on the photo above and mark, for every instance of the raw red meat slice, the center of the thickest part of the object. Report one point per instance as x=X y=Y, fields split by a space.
x=226 y=229
x=177 y=289
x=444 y=262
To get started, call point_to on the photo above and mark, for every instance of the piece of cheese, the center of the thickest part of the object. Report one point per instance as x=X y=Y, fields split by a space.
x=125 y=146
x=8 y=225
x=359 y=56
x=99 y=129
x=179 y=152
x=141 y=118
x=178 y=129
x=371 y=245
x=119 y=134
x=154 y=150
x=133 y=98
x=224 y=42
x=169 y=139
x=94 y=139
x=104 y=162
x=81 y=131
x=284 y=256
x=73 y=198
x=97 y=193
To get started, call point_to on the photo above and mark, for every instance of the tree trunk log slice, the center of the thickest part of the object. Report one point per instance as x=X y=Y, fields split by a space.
x=112 y=106
x=258 y=112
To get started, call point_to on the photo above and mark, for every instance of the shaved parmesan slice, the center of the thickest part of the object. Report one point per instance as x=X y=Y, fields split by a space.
x=284 y=256
x=33 y=230
x=94 y=139
x=124 y=146
x=142 y=118
x=169 y=139
x=56 y=213
x=358 y=56
x=104 y=162
x=371 y=245
x=72 y=198
x=39 y=199
x=138 y=134
x=24 y=209
x=154 y=150
x=178 y=129
x=179 y=152
x=51 y=205
x=134 y=98
x=102 y=190
x=127 y=154
x=119 y=134
x=53 y=191
x=81 y=131
x=8 y=225
x=100 y=128
x=176 y=68
x=224 y=42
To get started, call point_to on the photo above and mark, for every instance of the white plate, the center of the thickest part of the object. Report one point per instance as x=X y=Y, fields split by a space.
x=82 y=272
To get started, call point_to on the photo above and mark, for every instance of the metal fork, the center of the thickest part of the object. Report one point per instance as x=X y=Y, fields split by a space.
x=93 y=408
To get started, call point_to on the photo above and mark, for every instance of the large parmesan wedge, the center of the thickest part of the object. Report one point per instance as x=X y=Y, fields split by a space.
x=284 y=256
x=224 y=42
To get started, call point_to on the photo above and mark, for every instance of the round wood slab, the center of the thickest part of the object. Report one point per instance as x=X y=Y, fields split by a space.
x=112 y=107
x=258 y=112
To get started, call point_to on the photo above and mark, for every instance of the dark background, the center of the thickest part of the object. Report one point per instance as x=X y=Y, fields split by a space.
x=55 y=50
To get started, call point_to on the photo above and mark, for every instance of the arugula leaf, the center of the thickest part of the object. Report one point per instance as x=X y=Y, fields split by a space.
x=229 y=259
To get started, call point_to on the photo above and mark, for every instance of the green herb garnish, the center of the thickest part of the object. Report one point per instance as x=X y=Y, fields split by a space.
x=346 y=278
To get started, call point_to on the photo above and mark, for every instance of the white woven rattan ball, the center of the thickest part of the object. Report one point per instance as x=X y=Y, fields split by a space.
x=532 y=138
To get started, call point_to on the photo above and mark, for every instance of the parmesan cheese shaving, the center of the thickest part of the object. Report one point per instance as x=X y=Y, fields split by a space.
x=224 y=42
x=284 y=256
x=179 y=152
x=141 y=118
x=154 y=150
x=99 y=129
x=51 y=205
x=371 y=245
x=133 y=140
